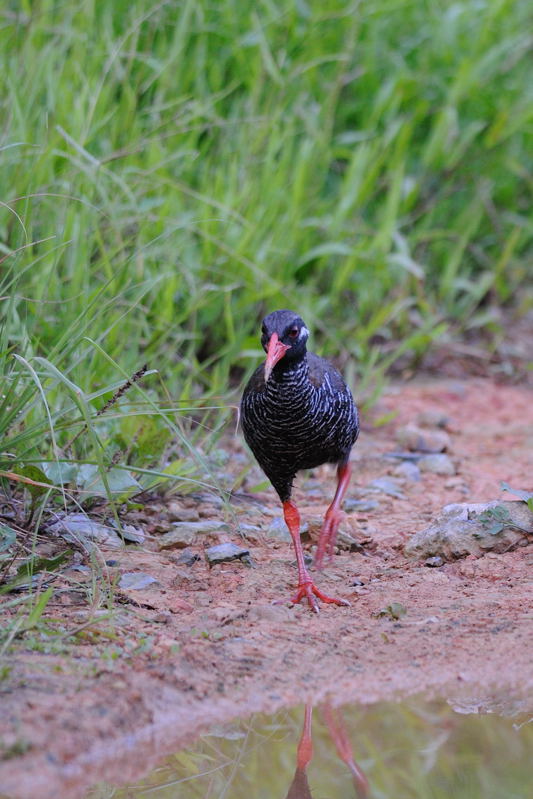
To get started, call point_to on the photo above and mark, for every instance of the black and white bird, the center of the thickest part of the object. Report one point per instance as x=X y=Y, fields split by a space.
x=297 y=413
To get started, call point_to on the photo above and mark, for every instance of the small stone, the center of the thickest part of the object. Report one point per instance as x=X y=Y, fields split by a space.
x=211 y=499
x=251 y=532
x=361 y=505
x=433 y=417
x=270 y=613
x=278 y=529
x=183 y=534
x=223 y=553
x=133 y=534
x=345 y=541
x=435 y=561
x=188 y=557
x=112 y=562
x=420 y=440
x=178 y=513
x=387 y=485
x=136 y=581
x=437 y=464
x=409 y=471
x=79 y=528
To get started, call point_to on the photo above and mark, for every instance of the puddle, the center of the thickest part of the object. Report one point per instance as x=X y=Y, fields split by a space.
x=461 y=749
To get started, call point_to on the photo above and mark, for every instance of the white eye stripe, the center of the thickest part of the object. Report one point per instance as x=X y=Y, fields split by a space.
x=304 y=332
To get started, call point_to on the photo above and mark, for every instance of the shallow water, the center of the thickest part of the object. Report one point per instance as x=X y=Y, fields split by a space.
x=459 y=749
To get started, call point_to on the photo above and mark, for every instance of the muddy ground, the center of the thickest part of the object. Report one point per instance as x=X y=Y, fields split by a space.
x=123 y=688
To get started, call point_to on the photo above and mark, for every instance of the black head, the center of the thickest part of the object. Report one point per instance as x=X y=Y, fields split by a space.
x=283 y=335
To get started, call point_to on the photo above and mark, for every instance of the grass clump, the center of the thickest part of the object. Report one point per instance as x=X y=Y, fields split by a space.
x=172 y=171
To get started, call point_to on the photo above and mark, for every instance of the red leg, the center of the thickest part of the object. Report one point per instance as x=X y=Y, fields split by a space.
x=333 y=517
x=306 y=587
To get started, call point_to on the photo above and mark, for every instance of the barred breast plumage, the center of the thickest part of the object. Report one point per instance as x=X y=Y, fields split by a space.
x=297 y=413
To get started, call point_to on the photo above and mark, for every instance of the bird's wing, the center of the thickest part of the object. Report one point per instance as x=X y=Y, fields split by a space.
x=256 y=382
x=318 y=368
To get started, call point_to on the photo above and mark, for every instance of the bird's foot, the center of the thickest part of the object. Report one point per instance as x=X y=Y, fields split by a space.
x=328 y=535
x=308 y=590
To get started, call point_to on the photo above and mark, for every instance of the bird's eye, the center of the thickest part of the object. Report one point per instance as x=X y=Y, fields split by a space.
x=293 y=332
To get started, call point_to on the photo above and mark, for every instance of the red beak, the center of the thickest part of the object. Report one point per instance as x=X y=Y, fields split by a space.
x=276 y=351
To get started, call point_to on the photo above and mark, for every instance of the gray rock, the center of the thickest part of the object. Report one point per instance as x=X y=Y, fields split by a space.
x=136 y=581
x=79 y=528
x=387 y=485
x=361 y=505
x=434 y=562
x=183 y=534
x=252 y=532
x=177 y=513
x=420 y=440
x=409 y=471
x=433 y=417
x=211 y=499
x=223 y=553
x=133 y=534
x=278 y=529
x=348 y=542
x=188 y=557
x=472 y=529
x=404 y=456
x=437 y=464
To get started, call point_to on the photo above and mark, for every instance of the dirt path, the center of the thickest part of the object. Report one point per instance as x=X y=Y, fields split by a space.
x=204 y=645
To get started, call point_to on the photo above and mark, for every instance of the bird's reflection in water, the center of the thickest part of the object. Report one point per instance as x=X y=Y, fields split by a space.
x=334 y=722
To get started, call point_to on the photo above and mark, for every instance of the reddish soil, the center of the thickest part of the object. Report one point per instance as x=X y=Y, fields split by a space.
x=205 y=645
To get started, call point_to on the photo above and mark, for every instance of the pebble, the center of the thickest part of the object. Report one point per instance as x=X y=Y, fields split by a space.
x=437 y=464
x=78 y=527
x=278 y=529
x=177 y=513
x=387 y=485
x=223 y=553
x=184 y=534
x=211 y=499
x=433 y=417
x=418 y=439
x=435 y=561
x=133 y=534
x=188 y=557
x=361 y=505
x=251 y=532
x=409 y=471
x=136 y=581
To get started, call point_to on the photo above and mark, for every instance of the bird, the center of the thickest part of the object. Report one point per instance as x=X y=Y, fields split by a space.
x=297 y=413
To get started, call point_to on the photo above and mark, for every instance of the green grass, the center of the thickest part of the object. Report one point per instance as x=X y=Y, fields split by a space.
x=171 y=171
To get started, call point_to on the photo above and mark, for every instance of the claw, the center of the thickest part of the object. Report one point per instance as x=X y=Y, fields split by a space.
x=309 y=591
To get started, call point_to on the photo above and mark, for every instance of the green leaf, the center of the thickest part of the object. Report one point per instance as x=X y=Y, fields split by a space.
x=395 y=610
x=60 y=473
x=33 y=472
x=33 y=566
x=496 y=528
x=120 y=481
x=8 y=537
x=38 y=610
